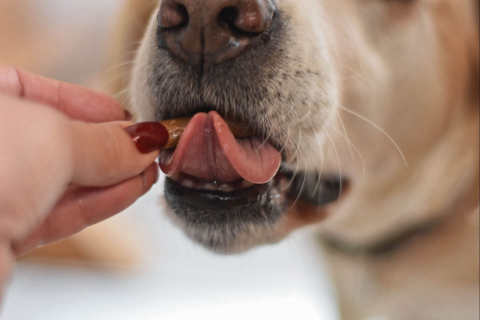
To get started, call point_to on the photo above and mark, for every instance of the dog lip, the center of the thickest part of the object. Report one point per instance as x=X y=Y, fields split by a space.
x=204 y=210
x=216 y=200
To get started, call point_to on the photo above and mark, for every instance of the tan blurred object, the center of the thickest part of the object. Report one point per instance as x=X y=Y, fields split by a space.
x=23 y=42
x=27 y=41
x=127 y=33
x=110 y=244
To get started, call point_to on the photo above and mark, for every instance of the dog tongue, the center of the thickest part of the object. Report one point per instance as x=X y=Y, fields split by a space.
x=209 y=151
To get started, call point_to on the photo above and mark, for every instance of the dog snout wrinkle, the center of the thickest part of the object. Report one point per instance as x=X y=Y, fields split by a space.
x=212 y=31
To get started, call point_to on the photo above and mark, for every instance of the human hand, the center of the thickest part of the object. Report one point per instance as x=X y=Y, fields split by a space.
x=59 y=175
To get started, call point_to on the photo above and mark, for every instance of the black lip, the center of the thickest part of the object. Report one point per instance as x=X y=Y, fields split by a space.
x=200 y=199
x=261 y=202
x=254 y=204
x=215 y=219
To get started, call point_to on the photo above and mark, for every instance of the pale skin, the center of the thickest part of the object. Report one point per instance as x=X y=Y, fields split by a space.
x=66 y=163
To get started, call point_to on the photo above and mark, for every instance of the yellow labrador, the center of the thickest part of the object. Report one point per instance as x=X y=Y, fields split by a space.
x=373 y=107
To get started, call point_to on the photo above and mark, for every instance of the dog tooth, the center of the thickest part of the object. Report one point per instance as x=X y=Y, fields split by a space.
x=209 y=186
x=175 y=177
x=226 y=188
x=247 y=184
x=188 y=183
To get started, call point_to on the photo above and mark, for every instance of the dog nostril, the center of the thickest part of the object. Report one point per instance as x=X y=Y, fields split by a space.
x=173 y=16
x=244 y=22
x=212 y=31
x=227 y=18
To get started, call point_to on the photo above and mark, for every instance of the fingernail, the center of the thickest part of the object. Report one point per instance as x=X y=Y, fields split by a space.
x=128 y=116
x=148 y=136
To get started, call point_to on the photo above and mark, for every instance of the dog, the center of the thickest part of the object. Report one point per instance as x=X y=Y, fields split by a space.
x=373 y=107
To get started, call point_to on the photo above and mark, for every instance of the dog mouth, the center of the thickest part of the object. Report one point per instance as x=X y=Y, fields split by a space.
x=210 y=170
x=210 y=154
x=217 y=181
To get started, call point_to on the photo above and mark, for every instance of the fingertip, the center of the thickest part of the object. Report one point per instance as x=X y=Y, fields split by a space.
x=148 y=136
x=105 y=154
x=151 y=177
x=91 y=106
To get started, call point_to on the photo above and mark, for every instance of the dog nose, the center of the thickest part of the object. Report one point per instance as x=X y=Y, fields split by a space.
x=212 y=31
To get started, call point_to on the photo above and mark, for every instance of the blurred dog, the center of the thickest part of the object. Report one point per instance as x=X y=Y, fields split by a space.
x=374 y=108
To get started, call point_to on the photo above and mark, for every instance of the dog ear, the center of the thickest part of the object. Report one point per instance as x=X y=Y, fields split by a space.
x=128 y=32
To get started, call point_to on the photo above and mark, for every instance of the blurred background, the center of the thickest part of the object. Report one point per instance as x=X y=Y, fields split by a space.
x=138 y=265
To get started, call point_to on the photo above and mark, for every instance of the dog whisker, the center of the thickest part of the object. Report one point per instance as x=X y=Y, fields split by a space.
x=127 y=74
x=345 y=132
x=358 y=75
x=297 y=146
x=286 y=141
x=122 y=93
x=120 y=65
x=381 y=130
x=131 y=44
x=127 y=97
x=289 y=184
x=302 y=187
x=307 y=114
x=352 y=146
x=265 y=140
x=134 y=52
x=319 y=179
x=338 y=159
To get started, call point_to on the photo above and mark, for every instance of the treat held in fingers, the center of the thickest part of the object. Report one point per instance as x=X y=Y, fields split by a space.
x=151 y=136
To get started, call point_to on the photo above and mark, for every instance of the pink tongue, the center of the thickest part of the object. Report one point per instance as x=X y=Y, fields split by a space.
x=209 y=151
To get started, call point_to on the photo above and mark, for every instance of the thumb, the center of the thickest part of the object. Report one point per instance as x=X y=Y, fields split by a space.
x=105 y=154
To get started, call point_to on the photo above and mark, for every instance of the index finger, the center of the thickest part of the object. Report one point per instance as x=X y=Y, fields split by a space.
x=75 y=101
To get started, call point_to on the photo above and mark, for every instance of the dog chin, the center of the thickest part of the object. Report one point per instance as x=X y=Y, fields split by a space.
x=236 y=221
x=227 y=222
